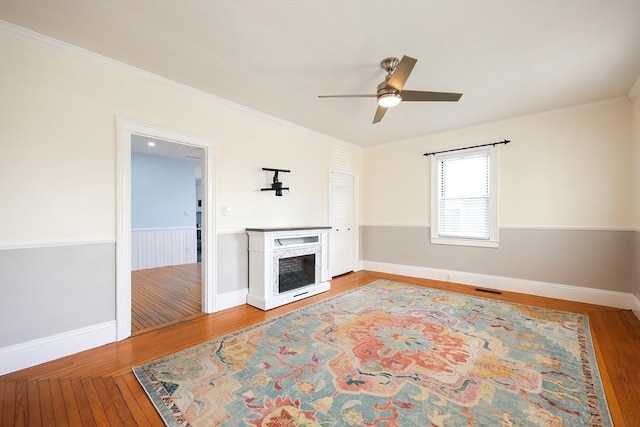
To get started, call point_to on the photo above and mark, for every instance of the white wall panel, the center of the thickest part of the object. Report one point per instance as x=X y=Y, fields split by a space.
x=159 y=247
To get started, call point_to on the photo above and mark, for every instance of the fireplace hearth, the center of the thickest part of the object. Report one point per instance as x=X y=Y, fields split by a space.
x=286 y=264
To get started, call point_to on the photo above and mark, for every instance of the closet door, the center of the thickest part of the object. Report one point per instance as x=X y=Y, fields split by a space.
x=341 y=244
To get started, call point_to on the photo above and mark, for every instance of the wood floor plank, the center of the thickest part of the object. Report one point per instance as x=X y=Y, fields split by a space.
x=46 y=405
x=137 y=411
x=165 y=295
x=21 y=415
x=600 y=347
x=623 y=376
x=109 y=407
x=57 y=402
x=82 y=402
x=143 y=400
x=98 y=384
x=97 y=411
x=33 y=393
x=119 y=404
x=8 y=402
x=70 y=402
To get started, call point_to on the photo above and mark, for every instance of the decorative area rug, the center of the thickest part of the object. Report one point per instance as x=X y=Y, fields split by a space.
x=389 y=354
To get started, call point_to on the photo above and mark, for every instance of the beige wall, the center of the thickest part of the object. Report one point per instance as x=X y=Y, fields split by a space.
x=58 y=108
x=567 y=201
x=57 y=168
x=567 y=168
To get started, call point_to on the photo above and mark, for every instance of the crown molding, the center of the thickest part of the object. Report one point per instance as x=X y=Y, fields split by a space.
x=38 y=39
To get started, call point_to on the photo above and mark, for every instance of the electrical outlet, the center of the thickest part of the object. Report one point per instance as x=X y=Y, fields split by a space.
x=225 y=210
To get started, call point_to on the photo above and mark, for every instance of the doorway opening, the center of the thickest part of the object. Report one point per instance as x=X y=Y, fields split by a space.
x=201 y=272
x=166 y=225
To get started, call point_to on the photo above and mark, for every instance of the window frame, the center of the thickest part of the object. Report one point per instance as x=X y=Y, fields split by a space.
x=493 y=240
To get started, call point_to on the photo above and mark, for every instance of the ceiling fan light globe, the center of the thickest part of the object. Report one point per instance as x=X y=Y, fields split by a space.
x=389 y=100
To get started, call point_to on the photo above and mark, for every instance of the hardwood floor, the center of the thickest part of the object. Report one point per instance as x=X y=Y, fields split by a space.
x=97 y=387
x=164 y=295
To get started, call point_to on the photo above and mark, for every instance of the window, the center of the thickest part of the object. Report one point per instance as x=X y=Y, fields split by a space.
x=464 y=197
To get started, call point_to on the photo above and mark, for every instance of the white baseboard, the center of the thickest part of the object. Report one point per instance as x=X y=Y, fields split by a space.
x=31 y=353
x=636 y=307
x=231 y=299
x=551 y=290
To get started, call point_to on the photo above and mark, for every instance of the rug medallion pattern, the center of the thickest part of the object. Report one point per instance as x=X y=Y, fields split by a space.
x=389 y=354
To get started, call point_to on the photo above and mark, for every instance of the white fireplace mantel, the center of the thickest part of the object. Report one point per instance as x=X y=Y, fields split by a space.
x=267 y=246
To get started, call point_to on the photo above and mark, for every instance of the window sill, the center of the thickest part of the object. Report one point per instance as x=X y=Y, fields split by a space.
x=465 y=242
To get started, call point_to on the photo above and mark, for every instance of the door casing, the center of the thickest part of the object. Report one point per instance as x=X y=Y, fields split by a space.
x=125 y=129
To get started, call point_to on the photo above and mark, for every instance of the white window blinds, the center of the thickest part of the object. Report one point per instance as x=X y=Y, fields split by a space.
x=464 y=196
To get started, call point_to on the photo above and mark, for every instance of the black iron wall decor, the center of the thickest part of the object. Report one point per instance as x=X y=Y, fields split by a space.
x=276 y=185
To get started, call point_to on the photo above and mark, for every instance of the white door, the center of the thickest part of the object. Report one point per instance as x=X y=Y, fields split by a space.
x=341 y=244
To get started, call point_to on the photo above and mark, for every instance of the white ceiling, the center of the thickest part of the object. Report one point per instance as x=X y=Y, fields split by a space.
x=140 y=144
x=508 y=58
x=158 y=147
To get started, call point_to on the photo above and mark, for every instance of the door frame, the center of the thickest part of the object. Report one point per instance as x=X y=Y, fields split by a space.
x=124 y=130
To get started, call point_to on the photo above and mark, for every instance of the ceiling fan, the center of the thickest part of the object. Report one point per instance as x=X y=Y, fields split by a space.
x=390 y=91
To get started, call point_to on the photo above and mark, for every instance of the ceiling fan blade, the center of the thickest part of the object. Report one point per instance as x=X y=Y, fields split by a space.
x=401 y=73
x=379 y=113
x=418 y=95
x=347 y=96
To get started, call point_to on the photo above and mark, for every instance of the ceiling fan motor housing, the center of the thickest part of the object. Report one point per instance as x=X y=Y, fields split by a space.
x=389 y=64
x=383 y=89
x=388 y=96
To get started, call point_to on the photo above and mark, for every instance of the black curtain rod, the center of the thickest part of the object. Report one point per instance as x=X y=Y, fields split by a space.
x=506 y=141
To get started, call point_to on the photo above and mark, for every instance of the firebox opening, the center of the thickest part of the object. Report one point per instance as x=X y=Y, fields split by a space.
x=296 y=272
